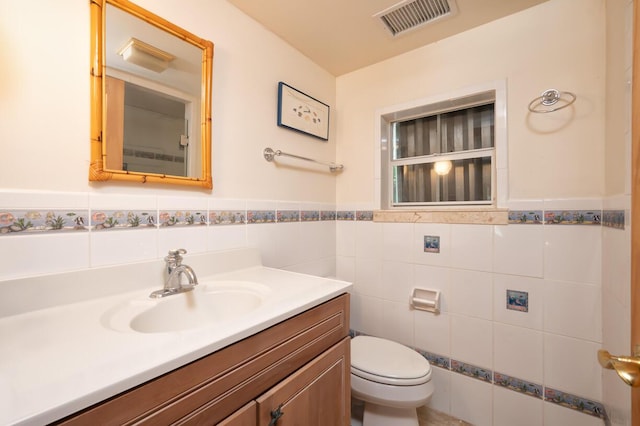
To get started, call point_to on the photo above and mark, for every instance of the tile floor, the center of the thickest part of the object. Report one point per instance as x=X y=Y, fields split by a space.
x=426 y=416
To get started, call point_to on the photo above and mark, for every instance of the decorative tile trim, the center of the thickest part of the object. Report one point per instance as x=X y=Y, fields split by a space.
x=327 y=215
x=518 y=385
x=122 y=219
x=227 y=217
x=261 y=216
x=366 y=215
x=534 y=217
x=345 y=215
x=573 y=217
x=550 y=395
x=309 y=215
x=32 y=221
x=435 y=359
x=288 y=215
x=613 y=219
x=575 y=402
x=472 y=371
x=181 y=218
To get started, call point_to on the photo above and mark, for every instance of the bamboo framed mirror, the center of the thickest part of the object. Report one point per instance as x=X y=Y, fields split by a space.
x=150 y=98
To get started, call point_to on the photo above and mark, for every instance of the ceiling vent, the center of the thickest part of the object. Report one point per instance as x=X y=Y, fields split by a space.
x=412 y=14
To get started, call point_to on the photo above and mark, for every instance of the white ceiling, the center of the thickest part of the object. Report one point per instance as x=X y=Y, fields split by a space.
x=342 y=36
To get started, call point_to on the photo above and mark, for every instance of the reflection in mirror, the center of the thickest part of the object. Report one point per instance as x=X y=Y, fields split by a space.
x=151 y=98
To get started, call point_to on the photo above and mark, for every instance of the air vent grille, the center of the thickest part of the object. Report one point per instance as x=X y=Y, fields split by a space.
x=411 y=14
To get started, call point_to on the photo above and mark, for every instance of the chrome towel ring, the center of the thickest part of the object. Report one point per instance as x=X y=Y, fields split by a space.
x=546 y=102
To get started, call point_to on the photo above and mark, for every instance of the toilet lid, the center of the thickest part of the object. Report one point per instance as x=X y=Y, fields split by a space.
x=384 y=361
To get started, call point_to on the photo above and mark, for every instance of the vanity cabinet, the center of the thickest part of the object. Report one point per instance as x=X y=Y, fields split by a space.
x=301 y=365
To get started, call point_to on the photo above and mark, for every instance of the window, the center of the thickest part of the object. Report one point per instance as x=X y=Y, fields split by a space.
x=443 y=152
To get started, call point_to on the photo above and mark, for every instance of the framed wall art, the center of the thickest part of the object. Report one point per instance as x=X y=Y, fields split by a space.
x=302 y=113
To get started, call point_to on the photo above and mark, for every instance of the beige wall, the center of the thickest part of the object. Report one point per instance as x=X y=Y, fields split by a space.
x=44 y=101
x=554 y=45
x=616 y=244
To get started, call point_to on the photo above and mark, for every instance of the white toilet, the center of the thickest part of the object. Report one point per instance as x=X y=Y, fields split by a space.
x=392 y=380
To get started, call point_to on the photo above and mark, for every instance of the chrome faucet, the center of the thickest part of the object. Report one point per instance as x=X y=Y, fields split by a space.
x=174 y=271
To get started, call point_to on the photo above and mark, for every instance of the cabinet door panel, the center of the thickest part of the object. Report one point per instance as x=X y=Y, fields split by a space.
x=246 y=416
x=316 y=395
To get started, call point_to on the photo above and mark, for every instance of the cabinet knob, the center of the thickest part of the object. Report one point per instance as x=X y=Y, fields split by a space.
x=275 y=415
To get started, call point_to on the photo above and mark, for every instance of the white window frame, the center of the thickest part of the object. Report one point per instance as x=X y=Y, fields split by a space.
x=429 y=105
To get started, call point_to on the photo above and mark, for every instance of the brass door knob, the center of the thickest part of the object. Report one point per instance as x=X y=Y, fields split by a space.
x=627 y=367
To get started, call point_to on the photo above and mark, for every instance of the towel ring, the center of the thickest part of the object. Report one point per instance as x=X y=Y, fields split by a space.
x=545 y=102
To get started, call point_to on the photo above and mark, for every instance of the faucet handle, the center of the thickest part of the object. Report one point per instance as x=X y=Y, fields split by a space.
x=175 y=256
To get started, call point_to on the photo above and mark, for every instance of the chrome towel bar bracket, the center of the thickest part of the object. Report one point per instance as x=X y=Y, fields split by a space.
x=269 y=155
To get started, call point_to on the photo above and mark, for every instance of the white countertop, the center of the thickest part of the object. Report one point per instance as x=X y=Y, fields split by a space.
x=57 y=360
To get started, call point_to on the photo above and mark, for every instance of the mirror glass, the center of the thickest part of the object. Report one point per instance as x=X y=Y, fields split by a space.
x=151 y=98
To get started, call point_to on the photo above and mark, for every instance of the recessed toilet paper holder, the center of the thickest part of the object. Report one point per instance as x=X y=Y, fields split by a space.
x=424 y=299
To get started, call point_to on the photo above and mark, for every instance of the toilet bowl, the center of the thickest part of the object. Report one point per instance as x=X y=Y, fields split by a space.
x=392 y=380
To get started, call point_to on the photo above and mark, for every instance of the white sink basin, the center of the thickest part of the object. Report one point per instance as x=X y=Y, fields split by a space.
x=209 y=303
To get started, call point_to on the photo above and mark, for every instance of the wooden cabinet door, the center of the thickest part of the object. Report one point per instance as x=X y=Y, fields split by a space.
x=246 y=416
x=316 y=395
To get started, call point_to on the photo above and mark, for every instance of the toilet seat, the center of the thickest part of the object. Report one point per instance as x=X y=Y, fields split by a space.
x=387 y=362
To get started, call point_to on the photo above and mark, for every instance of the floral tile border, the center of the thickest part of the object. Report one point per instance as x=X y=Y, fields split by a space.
x=181 y=218
x=227 y=217
x=583 y=405
x=29 y=221
x=122 y=219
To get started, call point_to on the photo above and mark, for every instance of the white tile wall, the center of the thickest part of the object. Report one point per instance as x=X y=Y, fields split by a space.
x=556 y=415
x=432 y=229
x=518 y=352
x=396 y=241
x=369 y=240
x=395 y=317
x=512 y=408
x=573 y=253
x=124 y=246
x=472 y=341
x=441 y=398
x=553 y=344
x=573 y=309
x=471 y=293
x=471 y=400
x=571 y=365
x=533 y=286
x=195 y=238
x=43 y=254
x=397 y=281
x=432 y=332
x=519 y=250
x=471 y=247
